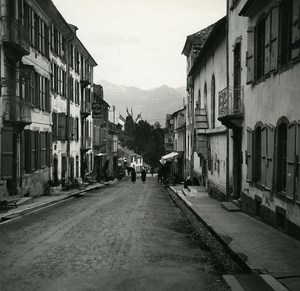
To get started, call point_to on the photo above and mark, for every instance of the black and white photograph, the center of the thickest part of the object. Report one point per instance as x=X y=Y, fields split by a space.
x=149 y=145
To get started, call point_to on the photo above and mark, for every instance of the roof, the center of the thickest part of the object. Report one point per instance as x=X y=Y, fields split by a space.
x=197 y=38
x=178 y=111
x=249 y=6
x=88 y=57
x=219 y=26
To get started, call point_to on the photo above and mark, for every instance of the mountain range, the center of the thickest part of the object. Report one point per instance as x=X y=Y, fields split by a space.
x=153 y=104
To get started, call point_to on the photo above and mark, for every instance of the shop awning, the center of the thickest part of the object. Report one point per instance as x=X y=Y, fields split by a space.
x=100 y=154
x=168 y=157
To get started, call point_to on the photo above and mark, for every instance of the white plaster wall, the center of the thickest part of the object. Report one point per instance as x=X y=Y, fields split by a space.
x=267 y=101
x=213 y=65
x=218 y=152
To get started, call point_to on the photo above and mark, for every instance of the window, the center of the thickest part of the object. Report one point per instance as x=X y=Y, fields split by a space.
x=237 y=76
x=260 y=48
x=62 y=124
x=71 y=56
x=292 y=161
x=76 y=92
x=205 y=96
x=71 y=86
x=257 y=154
x=36 y=100
x=281 y=156
x=54 y=126
x=43 y=149
x=76 y=129
x=213 y=102
x=34 y=150
x=260 y=155
x=262 y=51
x=7 y=153
x=290 y=30
x=64 y=77
x=77 y=61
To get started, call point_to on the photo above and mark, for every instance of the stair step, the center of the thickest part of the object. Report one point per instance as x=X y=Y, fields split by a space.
x=229 y=206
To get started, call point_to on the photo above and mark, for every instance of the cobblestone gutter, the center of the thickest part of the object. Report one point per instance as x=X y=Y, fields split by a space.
x=227 y=259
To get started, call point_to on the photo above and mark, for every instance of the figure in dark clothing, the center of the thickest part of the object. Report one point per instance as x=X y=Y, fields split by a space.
x=143 y=175
x=160 y=175
x=152 y=171
x=187 y=182
x=133 y=176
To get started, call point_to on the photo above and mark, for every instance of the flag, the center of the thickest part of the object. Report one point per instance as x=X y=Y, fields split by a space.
x=121 y=120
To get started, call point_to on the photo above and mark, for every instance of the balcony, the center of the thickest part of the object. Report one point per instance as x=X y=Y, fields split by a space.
x=16 y=111
x=85 y=79
x=15 y=38
x=231 y=111
x=86 y=109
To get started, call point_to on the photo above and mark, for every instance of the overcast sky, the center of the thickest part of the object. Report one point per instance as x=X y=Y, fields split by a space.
x=139 y=42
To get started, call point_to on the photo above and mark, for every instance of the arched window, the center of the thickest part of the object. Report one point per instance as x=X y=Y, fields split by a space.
x=213 y=102
x=237 y=75
x=260 y=47
x=205 y=96
x=257 y=153
x=281 y=153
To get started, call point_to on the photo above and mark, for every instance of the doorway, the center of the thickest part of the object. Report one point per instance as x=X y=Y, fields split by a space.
x=237 y=163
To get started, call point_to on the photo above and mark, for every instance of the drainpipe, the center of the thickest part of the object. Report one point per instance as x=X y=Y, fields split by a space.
x=227 y=86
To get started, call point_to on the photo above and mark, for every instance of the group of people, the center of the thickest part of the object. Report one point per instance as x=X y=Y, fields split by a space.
x=133 y=175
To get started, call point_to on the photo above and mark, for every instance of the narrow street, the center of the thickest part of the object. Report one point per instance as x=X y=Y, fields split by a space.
x=124 y=237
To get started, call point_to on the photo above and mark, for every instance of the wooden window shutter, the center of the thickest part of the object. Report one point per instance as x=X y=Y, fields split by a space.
x=27 y=145
x=39 y=149
x=298 y=162
x=249 y=158
x=296 y=29
x=267 y=43
x=51 y=148
x=274 y=39
x=264 y=138
x=270 y=157
x=7 y=153
x=33 y=151
x=250 y=55
x=290 y=160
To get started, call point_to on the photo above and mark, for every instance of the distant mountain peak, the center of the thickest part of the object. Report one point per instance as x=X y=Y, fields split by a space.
x=154 y=104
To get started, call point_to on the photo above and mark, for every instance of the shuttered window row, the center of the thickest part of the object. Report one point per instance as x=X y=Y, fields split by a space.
x=278 y=28
x=38 y=30
x=36 y=91
x=285 y=165
x=36 y=151
x=59 y=125
x=58 y=80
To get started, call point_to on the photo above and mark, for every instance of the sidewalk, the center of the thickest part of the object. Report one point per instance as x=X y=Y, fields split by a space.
x=261 y=247
x=46 y=201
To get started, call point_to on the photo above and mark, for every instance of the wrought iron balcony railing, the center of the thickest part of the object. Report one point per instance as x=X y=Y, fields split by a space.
x=16 y=110
x=15 y=35
x=231 y=102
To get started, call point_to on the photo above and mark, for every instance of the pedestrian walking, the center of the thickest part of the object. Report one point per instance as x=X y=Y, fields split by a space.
x=159 y=175
x=152 y=171
x=133 y=176
x=143 y=175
